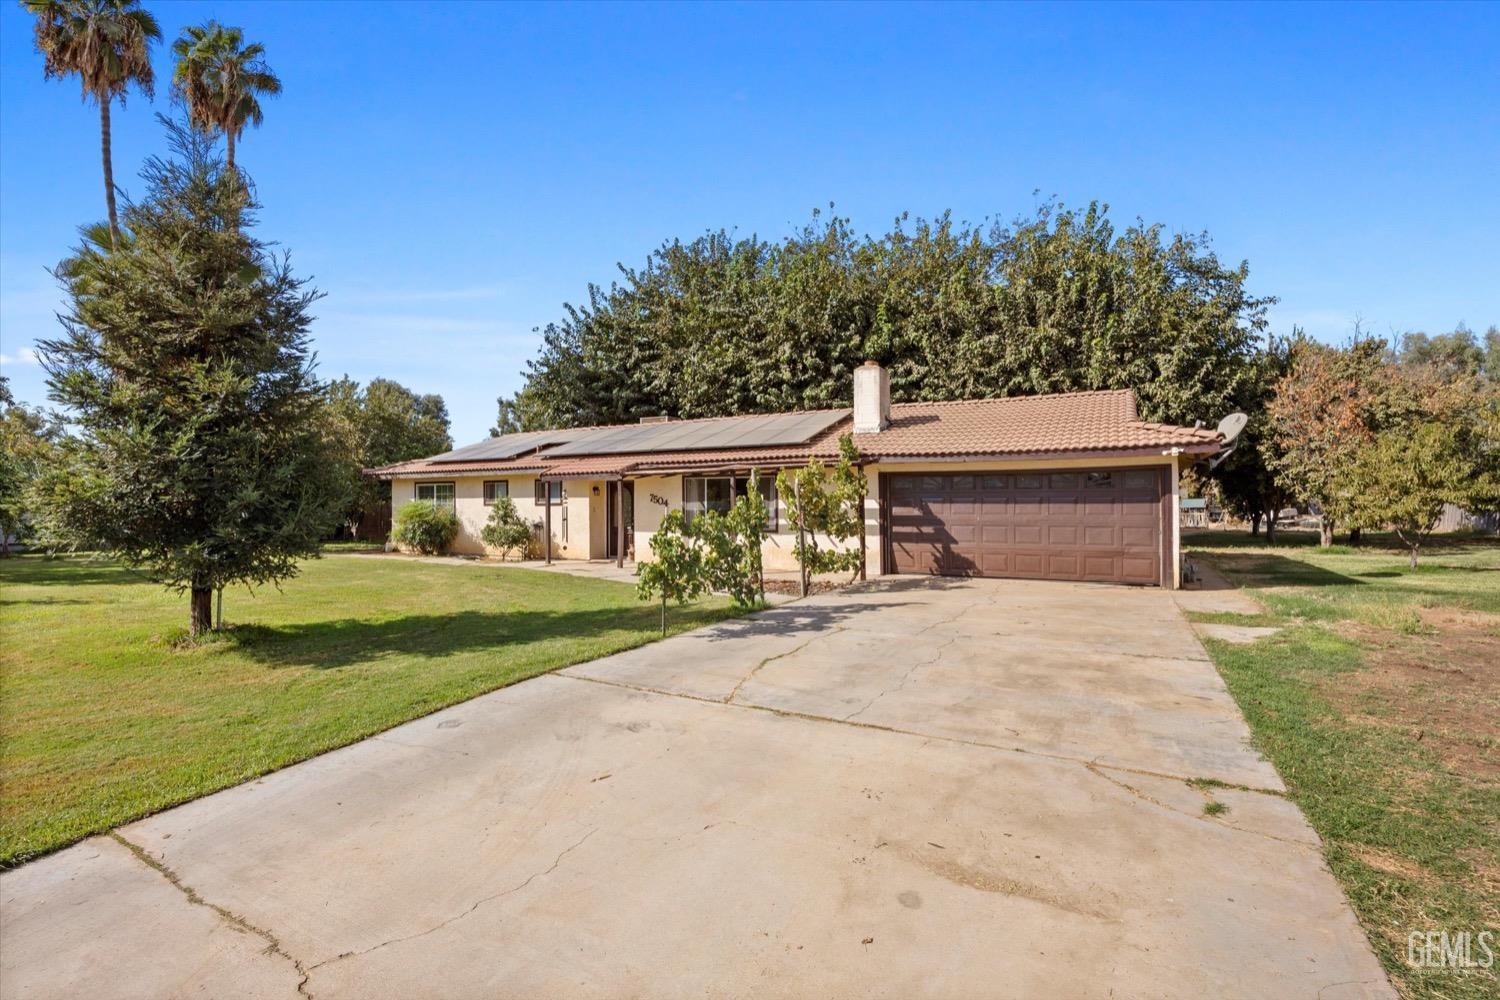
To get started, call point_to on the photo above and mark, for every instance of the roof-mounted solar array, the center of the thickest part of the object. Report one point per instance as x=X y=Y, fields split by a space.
x=506 y=446
x=697 y=435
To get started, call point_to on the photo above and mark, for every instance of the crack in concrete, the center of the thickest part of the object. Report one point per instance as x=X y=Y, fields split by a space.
x=879 y=728
x=937 y=654
x=460 y=916
x=273 y=944
x=1098 y=772
x=779 y=656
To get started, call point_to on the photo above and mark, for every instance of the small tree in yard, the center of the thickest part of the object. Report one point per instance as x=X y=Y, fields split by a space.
x=1406 y=476
x=677 y=572
x=506 y=530
x=832 y=505
x=203 y=456
x=426 y=527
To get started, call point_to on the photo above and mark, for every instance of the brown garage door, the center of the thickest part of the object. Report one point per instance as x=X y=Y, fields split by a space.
x=1103 y=524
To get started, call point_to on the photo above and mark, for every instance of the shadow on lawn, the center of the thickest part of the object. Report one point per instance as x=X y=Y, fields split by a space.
x=347 y=641
x=44 y=571
x=1266 y=568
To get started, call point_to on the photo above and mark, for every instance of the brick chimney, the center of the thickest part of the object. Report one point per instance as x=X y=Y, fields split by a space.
x=872 y=398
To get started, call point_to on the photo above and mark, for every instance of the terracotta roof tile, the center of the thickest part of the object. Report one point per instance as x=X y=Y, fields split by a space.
x=1025 y=425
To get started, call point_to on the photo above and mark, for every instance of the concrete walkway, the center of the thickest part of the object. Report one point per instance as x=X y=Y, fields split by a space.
x=919 y=788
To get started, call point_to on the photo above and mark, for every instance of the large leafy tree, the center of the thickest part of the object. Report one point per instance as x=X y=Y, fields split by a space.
x=107 y=43
x=1057 y=301
x=28 y=441
x=221 y=80
x=1327 y=406
x=382 y=423
x=204 y=456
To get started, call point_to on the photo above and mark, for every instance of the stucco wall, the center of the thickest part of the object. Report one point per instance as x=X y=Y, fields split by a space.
x=472 y=512
x=655 y=495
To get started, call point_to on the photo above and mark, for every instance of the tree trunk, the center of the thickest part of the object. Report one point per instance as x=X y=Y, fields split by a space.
x=109 y=174
x=1255 y=525
x=1270 y=527
x=229 y=138
x=1413 y=557
x=1356 y=535
x=664 y=611
x=201 y=611
x=1326 y=538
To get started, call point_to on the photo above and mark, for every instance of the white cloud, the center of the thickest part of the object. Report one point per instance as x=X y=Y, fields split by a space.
x=25 y=356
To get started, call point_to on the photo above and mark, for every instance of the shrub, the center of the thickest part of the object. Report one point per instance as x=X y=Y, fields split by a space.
x=426 y=527
x=506 y=530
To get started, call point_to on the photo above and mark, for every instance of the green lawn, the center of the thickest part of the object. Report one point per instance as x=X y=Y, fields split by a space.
x=1379 y=703
x=106 y=715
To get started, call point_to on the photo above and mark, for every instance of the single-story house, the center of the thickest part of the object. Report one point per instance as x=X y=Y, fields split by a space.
x=1069 y=486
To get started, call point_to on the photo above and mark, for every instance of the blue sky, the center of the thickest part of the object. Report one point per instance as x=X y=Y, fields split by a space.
x=451 y=174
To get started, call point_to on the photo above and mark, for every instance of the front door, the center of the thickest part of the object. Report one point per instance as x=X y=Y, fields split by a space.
x=613 y=542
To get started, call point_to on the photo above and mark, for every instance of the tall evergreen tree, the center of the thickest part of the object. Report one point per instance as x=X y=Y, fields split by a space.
x=108 y=44
x=204 y=455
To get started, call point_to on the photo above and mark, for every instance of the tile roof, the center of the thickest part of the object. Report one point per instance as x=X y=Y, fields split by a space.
x=1102 y=422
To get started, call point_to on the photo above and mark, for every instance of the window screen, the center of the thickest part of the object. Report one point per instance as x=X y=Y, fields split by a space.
x=494 y=489
x=437 y=494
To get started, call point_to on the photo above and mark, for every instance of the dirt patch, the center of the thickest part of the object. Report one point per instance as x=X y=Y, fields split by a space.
x=1441 y=688
x=1389 y=863
x=816 y=587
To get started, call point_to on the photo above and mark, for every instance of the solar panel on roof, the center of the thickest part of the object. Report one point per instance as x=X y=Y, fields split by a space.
x=698 y=435
x=505 y=446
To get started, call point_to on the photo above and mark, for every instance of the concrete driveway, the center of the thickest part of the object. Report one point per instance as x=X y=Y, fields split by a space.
x=923 y=788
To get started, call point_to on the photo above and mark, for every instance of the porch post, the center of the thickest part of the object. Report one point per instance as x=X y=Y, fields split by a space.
x=547 y=522
x=864 y=551
x=620 y=523
x=801 y=538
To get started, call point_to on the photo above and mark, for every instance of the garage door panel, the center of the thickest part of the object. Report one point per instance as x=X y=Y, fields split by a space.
x=1101 y=534
x=1092 y=525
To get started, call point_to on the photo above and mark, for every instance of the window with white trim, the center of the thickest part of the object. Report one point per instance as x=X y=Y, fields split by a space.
x=494 y=489
x=437 y=494
x=701 y=493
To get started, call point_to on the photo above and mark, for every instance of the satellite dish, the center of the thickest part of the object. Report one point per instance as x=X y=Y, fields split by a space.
x=1230 y=427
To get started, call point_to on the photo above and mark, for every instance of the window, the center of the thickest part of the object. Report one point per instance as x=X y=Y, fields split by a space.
x=548 y=493
x=701 y=493
x=437 y=494
x=494 y=489
x=1101 y=480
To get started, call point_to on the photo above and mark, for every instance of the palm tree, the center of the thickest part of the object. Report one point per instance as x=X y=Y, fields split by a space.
x=221 y=80
x=107 y=43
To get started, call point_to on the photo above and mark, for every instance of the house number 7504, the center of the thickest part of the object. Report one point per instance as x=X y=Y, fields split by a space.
x=659 y=501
